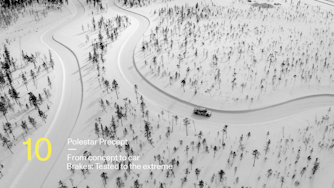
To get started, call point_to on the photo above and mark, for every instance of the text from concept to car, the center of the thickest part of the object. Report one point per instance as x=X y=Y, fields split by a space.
x=88 y=161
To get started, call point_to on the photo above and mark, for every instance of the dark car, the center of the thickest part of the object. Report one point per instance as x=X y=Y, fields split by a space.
x=202 y=111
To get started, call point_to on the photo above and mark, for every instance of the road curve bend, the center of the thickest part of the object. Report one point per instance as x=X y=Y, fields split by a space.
x=35 y=172
x=178 y=106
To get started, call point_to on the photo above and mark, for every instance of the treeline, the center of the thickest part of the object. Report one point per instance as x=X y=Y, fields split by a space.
x=141 y=3
x=108 y=32
x=11 y=94
x=11 y=9
x=12 y=4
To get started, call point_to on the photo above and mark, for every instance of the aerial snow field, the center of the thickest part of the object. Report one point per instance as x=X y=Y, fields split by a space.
x=101 y=93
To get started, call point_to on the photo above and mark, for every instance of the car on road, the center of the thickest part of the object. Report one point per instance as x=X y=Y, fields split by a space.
x=202 y=111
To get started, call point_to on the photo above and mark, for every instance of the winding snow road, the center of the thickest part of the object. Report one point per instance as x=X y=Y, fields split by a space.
x=149 y=91
x=35 y=172
x=70 y=107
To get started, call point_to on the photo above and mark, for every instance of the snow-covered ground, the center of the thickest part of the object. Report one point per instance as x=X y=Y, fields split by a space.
x=27 y=35
x=239 y=58
x=226 y=150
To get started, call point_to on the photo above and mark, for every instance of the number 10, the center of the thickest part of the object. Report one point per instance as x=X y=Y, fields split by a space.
x=28 y=142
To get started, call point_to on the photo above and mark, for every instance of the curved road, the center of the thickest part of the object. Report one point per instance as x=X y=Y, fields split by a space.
x=72 y=96
x=184 y=108
x=35 y=172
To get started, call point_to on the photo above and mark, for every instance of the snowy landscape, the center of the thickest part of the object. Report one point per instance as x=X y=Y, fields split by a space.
x=166 y=93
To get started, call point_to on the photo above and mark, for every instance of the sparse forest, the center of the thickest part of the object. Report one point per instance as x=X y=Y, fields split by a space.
x=196 y=49
x=161 y=137
x=33 y=102
x=230 y=52
x=12 y=10
x=282 y=157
